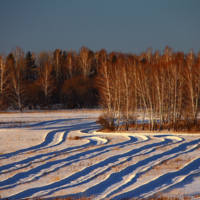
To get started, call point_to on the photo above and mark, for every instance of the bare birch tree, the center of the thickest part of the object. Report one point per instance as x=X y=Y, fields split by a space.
x=17 y=93
x=71 y=67
x=192 y=77
x=46 y=82
x=57 y=63
x=105 y=85
x=85 y=61
x=3 y=74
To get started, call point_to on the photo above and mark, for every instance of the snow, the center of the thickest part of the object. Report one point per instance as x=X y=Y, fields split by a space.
x=40 y=157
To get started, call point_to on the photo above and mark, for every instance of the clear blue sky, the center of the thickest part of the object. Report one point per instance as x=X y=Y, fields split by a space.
x=129 y=26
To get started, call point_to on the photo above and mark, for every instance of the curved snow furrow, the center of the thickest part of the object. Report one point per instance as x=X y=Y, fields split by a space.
x=132 y=178
x=52 y=139
x=93 y=134
x=89 y=130
x=53 y=165
x=49 y=138
x=85 y=179
x=40 y=158
x=50 y=188
x=164 y=181
x=100 y=178
x=99 y=140
x=41 y=169
x=71 y=159
x=28 y=160
x=139 y=166
x=172 y=137
x=36 y=173
x=130 y=138
x=127 y=135
x=185 y=181
x=132 y=153
x=87 y=174
x=36 y=159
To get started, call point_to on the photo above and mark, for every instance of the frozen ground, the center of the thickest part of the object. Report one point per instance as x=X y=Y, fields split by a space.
x=56 y=154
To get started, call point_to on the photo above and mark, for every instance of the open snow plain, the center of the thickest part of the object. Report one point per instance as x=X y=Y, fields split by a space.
x=60 y=154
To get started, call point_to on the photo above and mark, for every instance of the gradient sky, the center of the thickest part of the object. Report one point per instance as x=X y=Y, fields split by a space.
x=129 y=26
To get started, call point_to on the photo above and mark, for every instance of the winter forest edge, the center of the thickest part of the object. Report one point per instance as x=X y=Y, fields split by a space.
x=165 y=88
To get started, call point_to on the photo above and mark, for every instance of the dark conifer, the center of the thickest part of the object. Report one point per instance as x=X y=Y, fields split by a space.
x=30 y=67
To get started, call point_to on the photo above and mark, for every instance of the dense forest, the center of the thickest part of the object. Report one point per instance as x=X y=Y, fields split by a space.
x=163 y=87
x=62 y=79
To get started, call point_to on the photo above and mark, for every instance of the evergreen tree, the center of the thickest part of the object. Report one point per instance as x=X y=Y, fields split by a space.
x=30 y=67
x=63 y=66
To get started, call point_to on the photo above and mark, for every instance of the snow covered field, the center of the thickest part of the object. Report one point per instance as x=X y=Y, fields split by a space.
x=56 y=154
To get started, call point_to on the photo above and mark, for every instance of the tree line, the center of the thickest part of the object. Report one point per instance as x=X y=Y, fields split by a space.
x=65 y=79
x=165 y=89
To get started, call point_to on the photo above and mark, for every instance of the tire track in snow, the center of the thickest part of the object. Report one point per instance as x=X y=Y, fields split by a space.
x=40 y=170
x=134 y=151
x=84 y=176
x=112 y=178
x=143 y=171
x=26 y=162
x=164 y=181
x=71 y=159
x=114 y=182
x=51 y=139
x=48 y=141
